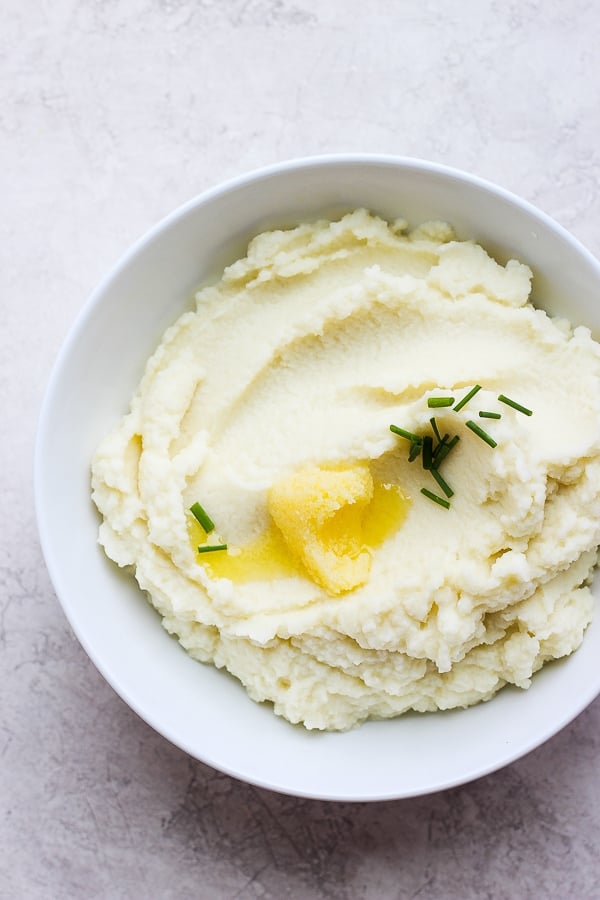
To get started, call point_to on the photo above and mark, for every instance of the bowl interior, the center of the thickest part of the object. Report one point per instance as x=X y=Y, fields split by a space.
x=204 y=711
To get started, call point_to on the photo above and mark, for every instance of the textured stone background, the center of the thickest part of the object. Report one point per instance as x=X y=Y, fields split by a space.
x=111 y=114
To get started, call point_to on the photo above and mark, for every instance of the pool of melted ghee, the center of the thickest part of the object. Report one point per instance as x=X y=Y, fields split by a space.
x=268 y=557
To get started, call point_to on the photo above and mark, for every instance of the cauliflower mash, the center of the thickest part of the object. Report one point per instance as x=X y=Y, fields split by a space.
x=341 y=568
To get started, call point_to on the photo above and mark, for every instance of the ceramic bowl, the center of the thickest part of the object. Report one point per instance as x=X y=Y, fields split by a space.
x=200 y=709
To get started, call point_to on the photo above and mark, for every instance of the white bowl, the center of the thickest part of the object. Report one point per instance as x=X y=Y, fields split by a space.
x=198 y=708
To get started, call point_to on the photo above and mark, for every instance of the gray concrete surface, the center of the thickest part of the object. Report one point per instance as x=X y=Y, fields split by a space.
x=111 y=114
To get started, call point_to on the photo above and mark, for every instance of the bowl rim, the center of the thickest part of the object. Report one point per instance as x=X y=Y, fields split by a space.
x=79 y=324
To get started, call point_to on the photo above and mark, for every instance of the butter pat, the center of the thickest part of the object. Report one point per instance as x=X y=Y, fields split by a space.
x=319 y=513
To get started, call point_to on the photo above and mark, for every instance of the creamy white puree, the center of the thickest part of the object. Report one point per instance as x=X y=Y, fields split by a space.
x=302 y=356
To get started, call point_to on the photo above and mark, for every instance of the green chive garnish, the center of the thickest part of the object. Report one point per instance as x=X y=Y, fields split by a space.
x=433 y=447
x=210 y=548
x=481 y=433
x=406 y=434
x=427 y=451
x=442 y=443
x=202 y=516
x=442 y=483
x=467 y=397
x=444 y=450
x=435 y=428
x=415 y=449
x=435 y=498
x=436 y=402
x=515 y=405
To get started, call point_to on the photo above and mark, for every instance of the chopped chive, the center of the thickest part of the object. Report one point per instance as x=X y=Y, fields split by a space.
x=435 y=498
x=436 y=402
x=481 y=433
x=442 y=443
x=427 y=451
x=435 y=428
x=442 y=483
x=486 y=414
x=415 y=449
x=467 y=397
x=522 y=409
x=202 y=516
x=210 y=548
x=444 y=451
x=406 y=434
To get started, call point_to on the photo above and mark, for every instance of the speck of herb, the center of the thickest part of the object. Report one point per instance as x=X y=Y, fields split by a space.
x=435 y=498
x=444 y=450
x=442 y=443
x=467 y=397
x=415 y=449
x=442 y=483
x=439 y=402
x=486 y=414
x=436 y=431
x=522 y=409
x=406 y=434
x=427 y=451
x=202 y=516
x=211 y=548
x=481 y=433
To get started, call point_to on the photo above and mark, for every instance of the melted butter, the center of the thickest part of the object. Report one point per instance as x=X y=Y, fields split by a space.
x=268 y=557
x=385 y=514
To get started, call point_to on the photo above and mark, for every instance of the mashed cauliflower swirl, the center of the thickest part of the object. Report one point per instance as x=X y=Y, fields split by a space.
x=345 y=593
